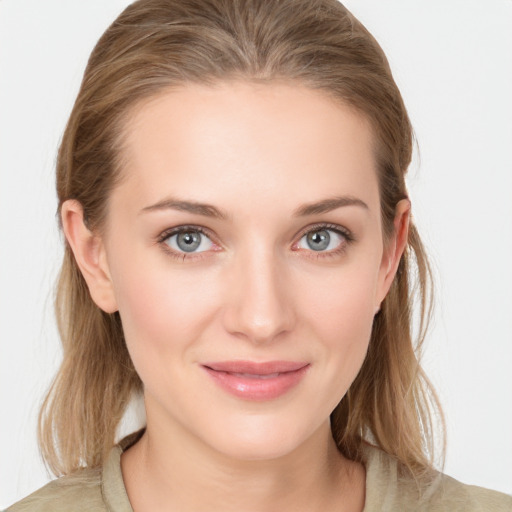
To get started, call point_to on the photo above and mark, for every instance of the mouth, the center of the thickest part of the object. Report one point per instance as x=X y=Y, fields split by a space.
x=254 y=380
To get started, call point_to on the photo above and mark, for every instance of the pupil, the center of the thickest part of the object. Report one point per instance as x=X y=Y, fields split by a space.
x=189 y=241
x=318 y=240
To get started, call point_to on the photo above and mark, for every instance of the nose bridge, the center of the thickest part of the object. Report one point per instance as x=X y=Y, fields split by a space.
x=259 y=305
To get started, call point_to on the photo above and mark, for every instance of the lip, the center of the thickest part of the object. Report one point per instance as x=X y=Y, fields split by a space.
x=258 y=381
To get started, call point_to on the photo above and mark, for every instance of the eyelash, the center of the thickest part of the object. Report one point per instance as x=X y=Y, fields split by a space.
x=176 y=231
x=346 y=234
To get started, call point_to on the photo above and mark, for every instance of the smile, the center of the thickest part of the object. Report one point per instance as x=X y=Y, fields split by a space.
x=256 y=381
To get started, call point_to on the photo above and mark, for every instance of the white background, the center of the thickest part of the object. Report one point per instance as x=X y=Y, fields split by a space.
x=452 y=60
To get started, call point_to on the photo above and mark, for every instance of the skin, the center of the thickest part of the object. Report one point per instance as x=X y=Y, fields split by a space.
x=255 y=291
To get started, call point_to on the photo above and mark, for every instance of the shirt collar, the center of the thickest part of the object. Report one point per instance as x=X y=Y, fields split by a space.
x=112 y=484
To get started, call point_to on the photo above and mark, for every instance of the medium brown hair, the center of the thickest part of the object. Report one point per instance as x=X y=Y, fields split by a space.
x=155 y=45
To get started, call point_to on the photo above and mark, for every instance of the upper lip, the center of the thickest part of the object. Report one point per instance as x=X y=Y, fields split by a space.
x=256 y=368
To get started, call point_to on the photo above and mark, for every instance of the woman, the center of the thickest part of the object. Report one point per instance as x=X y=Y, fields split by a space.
x=239 y=246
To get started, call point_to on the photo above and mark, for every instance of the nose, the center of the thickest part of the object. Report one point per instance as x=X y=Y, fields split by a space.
x=259 y=304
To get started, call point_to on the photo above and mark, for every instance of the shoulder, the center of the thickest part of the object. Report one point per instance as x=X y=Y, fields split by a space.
x=87 y=490
x=452 y=495
x=388 y=490
x=73 y=493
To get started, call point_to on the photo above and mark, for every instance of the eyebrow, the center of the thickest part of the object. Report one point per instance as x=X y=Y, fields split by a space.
x=204 y=209
x=208 y=210
x=327 y=205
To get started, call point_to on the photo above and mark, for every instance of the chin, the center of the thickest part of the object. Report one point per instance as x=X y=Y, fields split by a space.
x=256 y=439
x=257 y=450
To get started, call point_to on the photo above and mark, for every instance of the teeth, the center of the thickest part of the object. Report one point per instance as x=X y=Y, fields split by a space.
x=253 y=376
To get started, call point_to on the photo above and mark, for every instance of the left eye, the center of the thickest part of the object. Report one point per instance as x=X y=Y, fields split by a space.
x=321 y=240
x=189 y=241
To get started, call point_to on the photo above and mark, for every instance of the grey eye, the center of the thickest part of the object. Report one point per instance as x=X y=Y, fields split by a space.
x=318 y=240
x=321 y=240
x=189 y=241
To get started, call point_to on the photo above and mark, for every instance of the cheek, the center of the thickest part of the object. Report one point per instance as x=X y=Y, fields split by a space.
x=342 y=315
x=345 y=305
x=159 y=310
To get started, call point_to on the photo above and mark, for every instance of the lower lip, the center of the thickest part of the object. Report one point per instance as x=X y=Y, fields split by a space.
x=254 y=388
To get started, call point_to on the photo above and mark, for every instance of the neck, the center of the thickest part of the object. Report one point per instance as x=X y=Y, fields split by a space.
x=163 y=474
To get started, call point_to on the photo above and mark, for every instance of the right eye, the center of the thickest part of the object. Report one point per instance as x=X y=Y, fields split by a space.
x=187 y=240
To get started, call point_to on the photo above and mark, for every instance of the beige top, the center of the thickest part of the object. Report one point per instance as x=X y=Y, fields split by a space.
x=386 y=491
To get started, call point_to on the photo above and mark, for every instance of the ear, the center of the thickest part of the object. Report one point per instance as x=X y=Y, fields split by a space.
x=90 y=256
x=393 y=250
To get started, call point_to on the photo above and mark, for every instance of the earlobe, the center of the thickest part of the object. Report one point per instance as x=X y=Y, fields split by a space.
x=89 y=252
x=395 y=248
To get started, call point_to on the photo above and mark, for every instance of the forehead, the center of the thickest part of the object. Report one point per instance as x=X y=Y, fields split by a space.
x=245 y=140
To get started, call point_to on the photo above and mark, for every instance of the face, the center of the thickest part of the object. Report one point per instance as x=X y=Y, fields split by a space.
x=245 y=256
